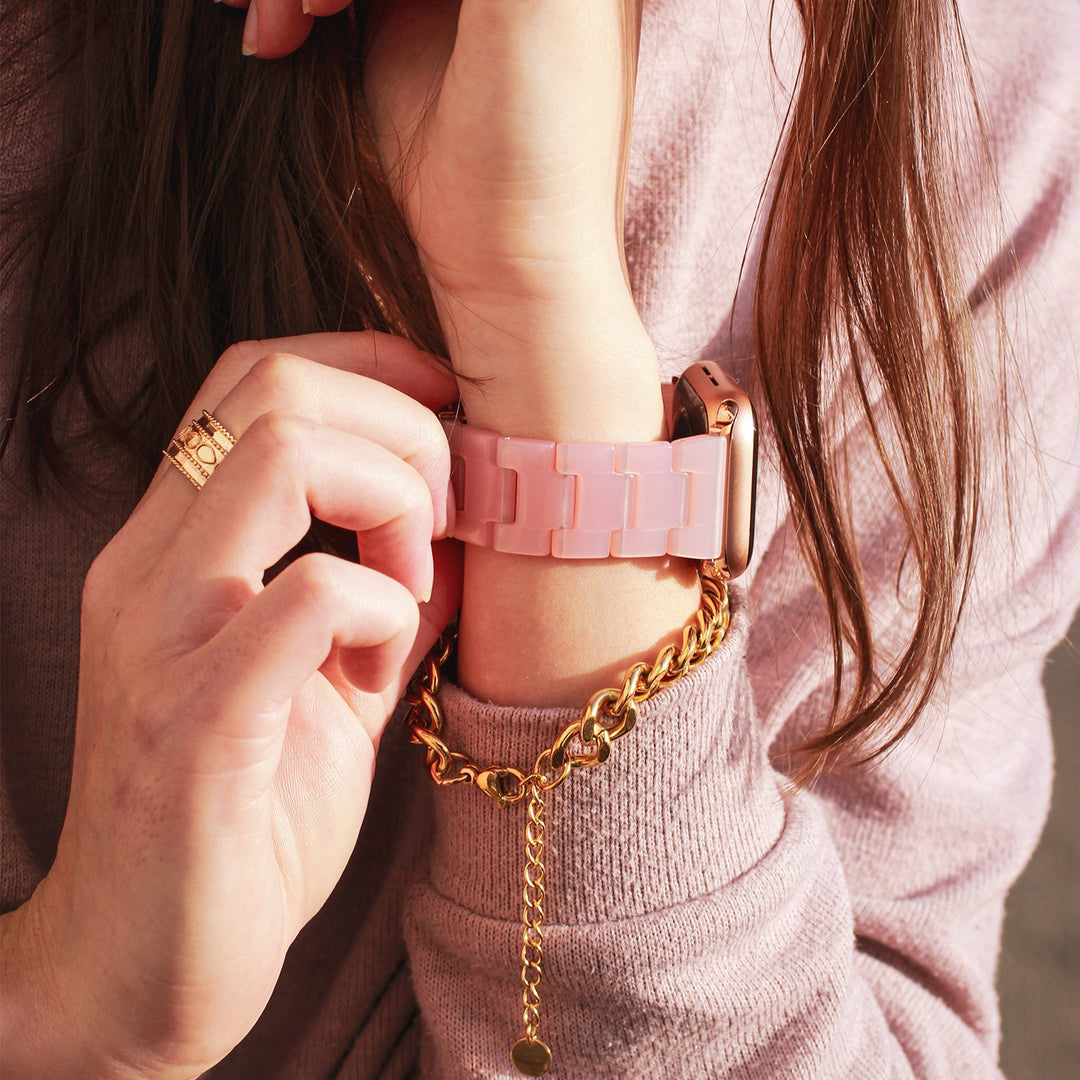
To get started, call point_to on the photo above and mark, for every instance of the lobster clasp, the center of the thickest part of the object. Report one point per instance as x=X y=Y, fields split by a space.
x=505 y=786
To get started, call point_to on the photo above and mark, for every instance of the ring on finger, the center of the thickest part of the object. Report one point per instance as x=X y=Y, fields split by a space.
x=199 y=448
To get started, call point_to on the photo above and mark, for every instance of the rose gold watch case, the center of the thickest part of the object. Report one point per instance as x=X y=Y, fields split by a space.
x=707 y=401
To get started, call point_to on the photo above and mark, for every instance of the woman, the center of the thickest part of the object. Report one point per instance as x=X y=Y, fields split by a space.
x=702 y=916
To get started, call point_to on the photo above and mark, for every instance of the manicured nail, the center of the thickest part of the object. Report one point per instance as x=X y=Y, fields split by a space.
x=425 y=591
x=250 y=44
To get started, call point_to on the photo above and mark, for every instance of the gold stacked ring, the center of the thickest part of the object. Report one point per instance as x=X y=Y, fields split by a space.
x=199 y=448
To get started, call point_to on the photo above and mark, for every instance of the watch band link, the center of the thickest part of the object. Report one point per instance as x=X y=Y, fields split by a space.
x=581 y=500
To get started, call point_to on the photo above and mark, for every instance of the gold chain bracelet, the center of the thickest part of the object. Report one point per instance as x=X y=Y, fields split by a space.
x=582 y=744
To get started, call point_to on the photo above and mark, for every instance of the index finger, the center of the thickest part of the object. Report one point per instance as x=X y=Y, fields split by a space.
x=386 y=358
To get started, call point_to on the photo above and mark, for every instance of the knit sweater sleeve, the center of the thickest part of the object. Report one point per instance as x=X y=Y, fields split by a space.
x=700 y=923
x=702 y=919
x=664 y=871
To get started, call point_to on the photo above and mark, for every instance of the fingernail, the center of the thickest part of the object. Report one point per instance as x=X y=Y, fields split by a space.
x=305 y=7
x=425 y=591
x=250 y=43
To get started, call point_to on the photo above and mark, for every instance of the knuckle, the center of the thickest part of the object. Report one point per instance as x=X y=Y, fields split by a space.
x=276 y=457
x=415 y=494
x=315 y=580
x=279 y=438
x=409 y=616
x=276 y=377
x=399 y=613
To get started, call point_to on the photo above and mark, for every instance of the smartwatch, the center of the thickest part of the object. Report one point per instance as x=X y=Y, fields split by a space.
x=692 y=497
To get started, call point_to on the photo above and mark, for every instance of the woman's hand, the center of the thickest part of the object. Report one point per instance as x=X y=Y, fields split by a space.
x=227 y=730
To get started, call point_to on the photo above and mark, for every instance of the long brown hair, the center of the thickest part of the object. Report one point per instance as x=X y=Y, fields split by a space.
x=861 y=235
x=229 y=200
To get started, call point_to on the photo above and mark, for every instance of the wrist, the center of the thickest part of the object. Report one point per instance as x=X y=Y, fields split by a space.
x=574 y=366
x=568 y=362
x=603 y=406
x=55 y=1014
x=42 y=1031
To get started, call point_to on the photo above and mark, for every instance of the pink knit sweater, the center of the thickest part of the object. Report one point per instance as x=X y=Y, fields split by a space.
x=701 y=921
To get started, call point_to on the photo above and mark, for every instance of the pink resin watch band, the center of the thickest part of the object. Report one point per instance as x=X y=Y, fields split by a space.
x=589 y=500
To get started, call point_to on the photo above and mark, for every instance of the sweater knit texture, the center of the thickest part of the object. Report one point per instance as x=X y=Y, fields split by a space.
x=703 y=920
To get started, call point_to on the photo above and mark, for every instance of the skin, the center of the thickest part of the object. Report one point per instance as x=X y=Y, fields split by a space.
x=218 y=753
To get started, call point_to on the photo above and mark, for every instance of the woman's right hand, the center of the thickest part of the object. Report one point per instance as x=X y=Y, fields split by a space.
x=226 y=731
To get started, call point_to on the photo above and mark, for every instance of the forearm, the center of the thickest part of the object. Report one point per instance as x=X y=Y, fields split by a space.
x=545 y=631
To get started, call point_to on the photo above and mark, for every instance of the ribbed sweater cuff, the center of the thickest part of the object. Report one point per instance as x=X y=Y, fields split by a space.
x=685 y=804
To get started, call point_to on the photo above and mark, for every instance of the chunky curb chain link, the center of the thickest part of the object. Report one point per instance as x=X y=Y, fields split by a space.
x=610 y=714
x=582 y=744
